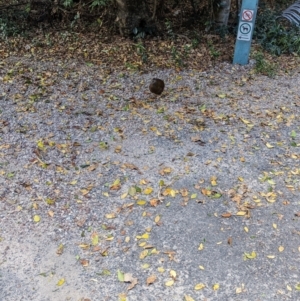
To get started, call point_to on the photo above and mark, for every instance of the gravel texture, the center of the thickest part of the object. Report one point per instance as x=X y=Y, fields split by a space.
x=219 y=150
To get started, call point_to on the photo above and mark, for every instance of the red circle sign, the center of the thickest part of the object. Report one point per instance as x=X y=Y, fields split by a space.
x=247 y=15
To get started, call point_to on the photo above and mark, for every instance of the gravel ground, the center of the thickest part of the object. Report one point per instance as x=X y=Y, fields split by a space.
x=194 y=193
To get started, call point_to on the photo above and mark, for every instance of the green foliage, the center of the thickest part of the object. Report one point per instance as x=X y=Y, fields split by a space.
x=169 y=27
x=68 y=3
x=177 y=57
x=96 y=3
x=274 y=36
x=264 y=67
x=8 y=28
x=141 y=51
x=213 y=52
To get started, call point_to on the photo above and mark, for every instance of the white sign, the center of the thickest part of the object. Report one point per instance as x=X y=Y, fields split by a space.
x=245 y=31
x=247 y=15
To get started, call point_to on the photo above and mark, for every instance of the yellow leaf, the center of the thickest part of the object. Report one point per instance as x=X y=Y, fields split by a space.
x=297 y=286
x=141 y=202
x=169 y=283
x=246 y=229
x=173 y=193
x=201 y=267
x=110 y=215
x=201 y=247
x=214 y=183
x=241 y=213
x=274 y=226
x=289 y=288
x=157 y=219
x=73 y=182
x=142 y=244
x=144 y=254
x=167 y=170
x=194 y=195
x=216 y=286
x=199 y=286
x=268 y=145
x=280 y=249
x=148 y=190
x=245 y=121
x=222 y=95
x=124 y=195
x=250 y=255
x=36 y=218
x=145 y=236
x=143 y=182
x=241 y=179
x=188 y=298
x=146 y=266
x=161 y=269
x=41 y=145
x=127 y=239
x=271 y=256
x=122 y=297
x=95 y=239
x=105 y=194
x=173 y=274
x=61 y=282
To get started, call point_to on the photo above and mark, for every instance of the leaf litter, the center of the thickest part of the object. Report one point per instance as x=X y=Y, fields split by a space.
x=90 y=158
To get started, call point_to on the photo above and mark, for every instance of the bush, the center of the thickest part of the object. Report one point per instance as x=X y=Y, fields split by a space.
x=275 y=36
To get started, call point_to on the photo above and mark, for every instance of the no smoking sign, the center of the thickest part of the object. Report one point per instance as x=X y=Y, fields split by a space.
x=247 y=15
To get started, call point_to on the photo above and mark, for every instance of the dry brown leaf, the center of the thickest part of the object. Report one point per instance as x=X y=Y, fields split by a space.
x=151 y=279
x=226 y=215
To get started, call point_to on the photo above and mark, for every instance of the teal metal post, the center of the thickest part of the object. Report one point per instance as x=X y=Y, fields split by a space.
x=245 y=32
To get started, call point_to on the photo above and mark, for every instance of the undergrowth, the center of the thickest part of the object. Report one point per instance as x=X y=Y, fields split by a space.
x=275 y=36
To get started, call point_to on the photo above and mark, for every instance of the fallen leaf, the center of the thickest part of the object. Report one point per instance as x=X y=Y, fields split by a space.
x=199 y=286
x=169 y=283
x=144 y=254
x=157 y=219
x=110 y=215
x=280 y=249
x=241 y=213
x=120 y=276
x=161 y=269
x=61 y=282
x=141 y=202
x=226 y=215
x=201 y=247
x=216 y=286
x=151 y=279
x=188 y=298
x=250 y=255
x=84 y=262
x=148 y=190
x=173 y=274
x=36 y=218
x=271 y=256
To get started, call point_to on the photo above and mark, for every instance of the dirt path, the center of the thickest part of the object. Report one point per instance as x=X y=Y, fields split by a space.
x=195 y=193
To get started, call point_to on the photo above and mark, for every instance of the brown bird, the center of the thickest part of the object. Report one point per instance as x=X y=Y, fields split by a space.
x=157 y=86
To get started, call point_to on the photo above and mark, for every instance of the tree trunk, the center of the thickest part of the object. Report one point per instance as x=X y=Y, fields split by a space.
x=133 y=17
x=221 y=12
